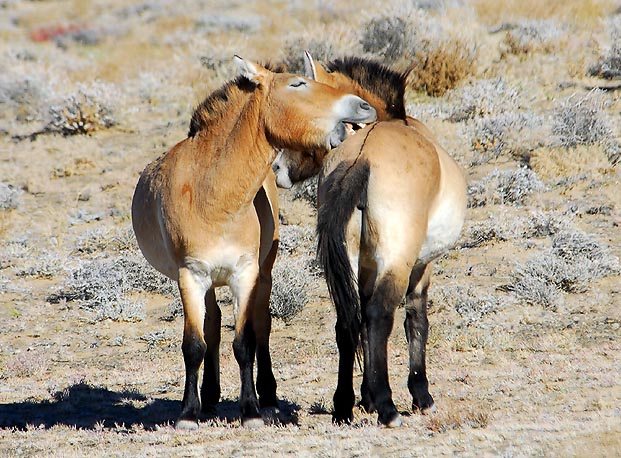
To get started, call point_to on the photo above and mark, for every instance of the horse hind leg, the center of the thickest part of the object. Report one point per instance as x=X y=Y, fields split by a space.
x=210 y=390
x=366 y=281
x=379 y=313
x=416 y=331
x=193 y=346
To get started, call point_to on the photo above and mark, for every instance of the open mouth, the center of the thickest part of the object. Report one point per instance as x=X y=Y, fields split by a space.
x=352 y=128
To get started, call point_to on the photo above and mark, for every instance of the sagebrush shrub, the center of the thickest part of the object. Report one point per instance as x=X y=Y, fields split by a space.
x=104 y=285
x=389 y=37
x=289 y=287
x=91 y=108
x=609 y=65
x=535 y=35
x=570 y=265
x=585 y=121
x=483 y=98
x=9 y=197
x=504 y=187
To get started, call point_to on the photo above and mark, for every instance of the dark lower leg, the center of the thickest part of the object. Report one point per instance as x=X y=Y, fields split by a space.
x=193 y=347
x=344 y=397
x=379 y=321
x=244 y=347
x=266 y=383
x=210 y=390
x=416 y=332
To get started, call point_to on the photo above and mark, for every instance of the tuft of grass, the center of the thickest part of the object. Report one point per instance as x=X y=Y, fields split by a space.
x=483 y=98
x=529 y=36
x=90 y=109
x=438 y=68
x=609 y=65
x=457 y=418
x=26 y=365
x=289 y=288
x=584 y=121
x=388 y=36
x=570 y=265
x=104 y=285
x=9 y=197
x=504 y=187
x=468 y=302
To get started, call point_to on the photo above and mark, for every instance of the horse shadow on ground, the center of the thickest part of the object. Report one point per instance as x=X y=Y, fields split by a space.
x=86 y=407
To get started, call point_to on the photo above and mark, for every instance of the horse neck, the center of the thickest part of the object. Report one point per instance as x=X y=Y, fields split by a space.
x=235 y=154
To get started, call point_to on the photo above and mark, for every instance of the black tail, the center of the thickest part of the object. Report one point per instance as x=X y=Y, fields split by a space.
x=344 y=190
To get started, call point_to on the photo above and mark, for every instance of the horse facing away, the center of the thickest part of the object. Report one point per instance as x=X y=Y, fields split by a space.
x=390 y=200
x=204 y=214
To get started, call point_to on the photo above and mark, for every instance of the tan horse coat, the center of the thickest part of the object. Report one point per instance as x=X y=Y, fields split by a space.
x=205 y=214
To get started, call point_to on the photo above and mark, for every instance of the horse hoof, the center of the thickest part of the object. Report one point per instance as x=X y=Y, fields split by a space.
x=186 y=425
x=252 y=423
x=429 y=409
x=396 y=422
x=271 y=415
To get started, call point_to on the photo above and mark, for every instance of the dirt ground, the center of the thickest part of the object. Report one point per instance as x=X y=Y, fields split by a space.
x=510 y=376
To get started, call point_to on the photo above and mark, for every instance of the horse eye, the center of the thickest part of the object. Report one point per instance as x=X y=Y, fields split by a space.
x=298 y=83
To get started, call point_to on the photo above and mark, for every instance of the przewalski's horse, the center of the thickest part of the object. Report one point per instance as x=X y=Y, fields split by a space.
x=390 y=200
x=205 y=215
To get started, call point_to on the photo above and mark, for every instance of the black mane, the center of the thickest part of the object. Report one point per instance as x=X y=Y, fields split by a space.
x=215 y=101
x=377 y=78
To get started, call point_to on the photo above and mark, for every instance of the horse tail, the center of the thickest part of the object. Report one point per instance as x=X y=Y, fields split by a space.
x=342 y=191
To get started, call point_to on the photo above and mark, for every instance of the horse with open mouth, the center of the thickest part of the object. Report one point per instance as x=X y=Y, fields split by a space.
x=205 y=214
x=390 y=201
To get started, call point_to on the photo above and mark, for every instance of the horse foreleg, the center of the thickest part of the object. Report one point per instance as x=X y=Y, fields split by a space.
x=379 y=314
x=416 y=331
x=244 y=344
x=262 y=321
x=210 y=390
x=193 y=346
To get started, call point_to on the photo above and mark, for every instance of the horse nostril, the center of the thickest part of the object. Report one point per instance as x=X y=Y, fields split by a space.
x=364 y=105
x=275 y=167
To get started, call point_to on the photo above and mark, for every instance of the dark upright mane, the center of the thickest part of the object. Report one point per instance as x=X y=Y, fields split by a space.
x=384 y=82
x=214 y=103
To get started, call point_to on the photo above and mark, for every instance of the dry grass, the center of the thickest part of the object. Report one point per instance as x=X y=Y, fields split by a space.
x=442 y=67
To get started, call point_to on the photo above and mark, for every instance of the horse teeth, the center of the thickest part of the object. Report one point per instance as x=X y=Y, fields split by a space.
x=362 y=125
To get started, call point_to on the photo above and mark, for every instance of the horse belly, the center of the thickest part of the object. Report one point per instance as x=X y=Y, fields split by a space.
x=443 y=231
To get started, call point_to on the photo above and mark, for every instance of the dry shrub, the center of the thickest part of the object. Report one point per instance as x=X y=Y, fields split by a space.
x=585 y=121
x=504 y=187
x=28 y=364
x=440 y=68
x=9 y=197
x=456 y=418
x=529 y=36
x=609 y=65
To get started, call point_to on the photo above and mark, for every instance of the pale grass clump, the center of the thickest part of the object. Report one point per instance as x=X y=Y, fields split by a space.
x=9 y=197
x=104 y=286
x=290 y=286
x=570 y=265
x=472 y=304
x=483 y=98
x=89 y=109
x=528 y=36
x=457 y=417
x=26 y=364
x=609 y=65
x=585 y=121
x=507 y=187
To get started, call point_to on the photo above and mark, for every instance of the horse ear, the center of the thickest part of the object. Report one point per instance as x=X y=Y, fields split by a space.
x=251 y=70
x=310 y=71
